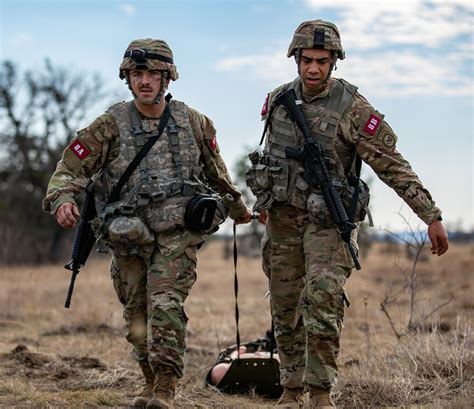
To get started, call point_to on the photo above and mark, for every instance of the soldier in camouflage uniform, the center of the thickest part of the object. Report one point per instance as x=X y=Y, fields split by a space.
x=154 y=254
x=306 y=260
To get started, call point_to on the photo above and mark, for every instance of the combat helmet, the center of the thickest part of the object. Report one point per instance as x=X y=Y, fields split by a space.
x=316 y=34
x=148 y=54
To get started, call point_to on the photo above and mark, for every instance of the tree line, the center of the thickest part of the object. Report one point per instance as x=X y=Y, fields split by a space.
x=40 y=110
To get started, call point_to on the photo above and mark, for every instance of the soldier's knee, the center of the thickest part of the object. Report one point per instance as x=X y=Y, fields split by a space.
x=324 y=311
x=137 y=331
x=167 y=313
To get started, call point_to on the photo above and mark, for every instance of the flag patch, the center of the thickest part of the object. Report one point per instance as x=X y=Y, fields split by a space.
x=265 y=107
x=372 y=124
x=79 y=149
x=213 y=144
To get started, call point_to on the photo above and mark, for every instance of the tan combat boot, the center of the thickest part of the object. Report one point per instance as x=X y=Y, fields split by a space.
x=142 y=399
x=320 y=398
x=164 y=389
x=292 y=398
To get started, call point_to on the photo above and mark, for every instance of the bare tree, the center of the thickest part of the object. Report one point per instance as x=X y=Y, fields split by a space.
x=415 y=243
x=40 y=110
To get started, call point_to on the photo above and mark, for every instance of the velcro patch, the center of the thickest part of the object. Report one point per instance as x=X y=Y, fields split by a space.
x=265 y=107
x=372 y=124
x=79 y=149
x=389 y=140
x=213 y=144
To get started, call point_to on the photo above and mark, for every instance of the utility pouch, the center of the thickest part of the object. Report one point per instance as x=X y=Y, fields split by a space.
x=356 y=202
x=318 y=210
x=200 y=212
x=258 y=179
x=130 y=230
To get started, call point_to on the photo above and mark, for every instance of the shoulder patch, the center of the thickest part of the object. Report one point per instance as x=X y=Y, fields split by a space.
x=372 y=124
x=79 y=149
x=387 y=137
x=265 y=106
x=213 y=143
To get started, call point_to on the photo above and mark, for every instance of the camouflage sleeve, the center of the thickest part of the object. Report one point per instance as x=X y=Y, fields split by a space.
x=214 y=167
x=375 y=142
x=84 y=156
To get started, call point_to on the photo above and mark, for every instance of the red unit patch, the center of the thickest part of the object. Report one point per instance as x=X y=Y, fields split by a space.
x=79 y=149
x=372 y=124
x=213 y=143
x=265 y=107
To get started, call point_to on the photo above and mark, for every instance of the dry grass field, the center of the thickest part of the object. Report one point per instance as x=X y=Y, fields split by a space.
x=51 y=357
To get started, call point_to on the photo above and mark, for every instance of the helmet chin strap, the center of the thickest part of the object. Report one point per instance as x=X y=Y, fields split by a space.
x=163 y=88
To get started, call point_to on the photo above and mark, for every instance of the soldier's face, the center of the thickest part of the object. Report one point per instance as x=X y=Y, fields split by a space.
x=314 y=67
x=145 y=85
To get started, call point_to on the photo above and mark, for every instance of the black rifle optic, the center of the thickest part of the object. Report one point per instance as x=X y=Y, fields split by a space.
x=316 y=173
x=84 y=240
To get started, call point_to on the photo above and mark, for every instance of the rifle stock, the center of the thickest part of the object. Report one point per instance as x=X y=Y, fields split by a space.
x=316 y=173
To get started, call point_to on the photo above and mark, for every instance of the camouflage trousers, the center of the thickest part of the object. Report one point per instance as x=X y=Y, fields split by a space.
x=307 y=265
x=152 y=286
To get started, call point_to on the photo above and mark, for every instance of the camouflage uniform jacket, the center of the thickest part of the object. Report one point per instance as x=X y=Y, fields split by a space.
x=362 y=130
x=99 y=144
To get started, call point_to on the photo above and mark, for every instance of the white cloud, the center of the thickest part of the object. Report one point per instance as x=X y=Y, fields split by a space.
x=407 y=73
x=20 y=39
x=127 y=9
x=404 y=48
x=377 y=24
x=390 y=73
x=273 y=67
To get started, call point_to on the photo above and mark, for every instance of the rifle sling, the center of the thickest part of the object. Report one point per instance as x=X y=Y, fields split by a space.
x=358 y=163
x=355 y=197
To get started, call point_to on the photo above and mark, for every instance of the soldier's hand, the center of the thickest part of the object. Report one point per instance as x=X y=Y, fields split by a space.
x=262 y=217
x=67 y=215
x=245 y=218
x=438 y=237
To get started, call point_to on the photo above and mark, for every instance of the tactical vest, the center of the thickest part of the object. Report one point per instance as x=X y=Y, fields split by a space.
x=274 y=177
x=159 y=189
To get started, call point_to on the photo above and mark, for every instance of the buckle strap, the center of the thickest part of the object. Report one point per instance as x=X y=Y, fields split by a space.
x=140 y=55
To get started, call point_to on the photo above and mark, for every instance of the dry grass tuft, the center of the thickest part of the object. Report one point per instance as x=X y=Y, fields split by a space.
x=418 y=369
x=51 y=357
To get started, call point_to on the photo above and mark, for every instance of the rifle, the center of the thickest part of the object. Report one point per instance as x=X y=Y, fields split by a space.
x=316 y=173
x=84 y=240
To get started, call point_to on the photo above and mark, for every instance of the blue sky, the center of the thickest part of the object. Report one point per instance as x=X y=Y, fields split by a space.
x=412 y=60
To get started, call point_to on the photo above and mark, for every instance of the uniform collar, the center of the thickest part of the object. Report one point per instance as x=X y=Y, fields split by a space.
x=322 y=94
